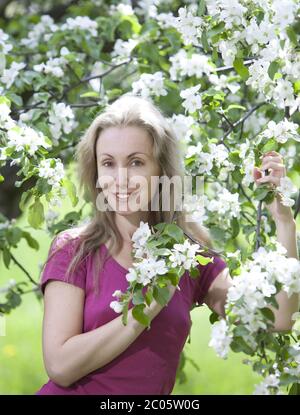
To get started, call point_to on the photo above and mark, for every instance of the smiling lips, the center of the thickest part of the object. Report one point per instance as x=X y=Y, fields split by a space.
x=123 y=196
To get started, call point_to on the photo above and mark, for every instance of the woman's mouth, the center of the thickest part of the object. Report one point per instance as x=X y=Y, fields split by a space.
x=124 y=196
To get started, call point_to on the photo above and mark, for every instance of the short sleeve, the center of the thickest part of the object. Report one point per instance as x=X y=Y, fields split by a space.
x=59 y=257
x=207 y=275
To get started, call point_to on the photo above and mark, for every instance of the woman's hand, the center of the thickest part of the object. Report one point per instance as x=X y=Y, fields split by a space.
x=274 y=161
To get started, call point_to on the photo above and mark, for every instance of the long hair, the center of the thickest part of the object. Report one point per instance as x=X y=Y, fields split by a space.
x=128 y=110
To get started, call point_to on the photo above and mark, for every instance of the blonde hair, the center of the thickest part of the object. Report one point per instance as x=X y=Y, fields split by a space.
x=128 y=110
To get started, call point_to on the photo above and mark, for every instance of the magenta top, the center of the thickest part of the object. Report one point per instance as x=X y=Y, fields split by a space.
x=148 y=366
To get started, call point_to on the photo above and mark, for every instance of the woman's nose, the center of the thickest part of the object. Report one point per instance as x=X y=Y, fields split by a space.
x=122 y=178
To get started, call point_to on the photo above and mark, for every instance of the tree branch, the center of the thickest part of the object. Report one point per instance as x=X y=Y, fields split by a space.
x=23 y=269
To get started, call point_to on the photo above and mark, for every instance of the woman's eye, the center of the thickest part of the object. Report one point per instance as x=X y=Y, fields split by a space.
x=106 y=162
x=138 y=161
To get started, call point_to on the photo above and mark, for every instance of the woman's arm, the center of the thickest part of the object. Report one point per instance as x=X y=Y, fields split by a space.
x=70 y=354
x=217 y=293
x=287 y=236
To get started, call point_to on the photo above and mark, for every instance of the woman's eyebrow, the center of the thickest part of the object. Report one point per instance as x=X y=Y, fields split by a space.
x=130 y=155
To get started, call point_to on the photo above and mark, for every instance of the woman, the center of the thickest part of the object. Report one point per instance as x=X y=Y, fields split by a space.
x=86 y=347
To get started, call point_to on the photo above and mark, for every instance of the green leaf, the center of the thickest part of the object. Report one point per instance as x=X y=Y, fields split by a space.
x=272 y=300
x=174 y=231
x=17 y=99
x=234 y=106
x=235 y=227
x=204 y=41
x=6 y=257
x=270 y=197
x=159 y=226
x=149 y=295
x=194 y=272
x=36 y=214
x=237 y=175
x=213 y=317
x=270 y=145
x=286 y=379
x=297 y=86
x=201 y=8
x=139 y=315
x=241 y=69
x=268 y=313
x=216 y=30
x=238 y=344
x=162 y=251
x=90 y=94
x=273 y=68
x=294 y=389
x=14 y=299
x=217 y=232
x=125 y=314
x=161 y=295
x=234 y=157
x=203 y=260
x=292 y=35
x=4 y=100
x=138 y=297
x=261 y=192
x=240 y=331
x=71 y=190
x=13 y=236
x=33 y=243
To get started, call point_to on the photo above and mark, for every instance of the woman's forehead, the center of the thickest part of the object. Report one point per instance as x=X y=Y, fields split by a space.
x=120 y=140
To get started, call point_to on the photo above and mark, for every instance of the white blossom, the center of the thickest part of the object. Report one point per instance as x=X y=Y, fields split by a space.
x=82 y=23
x=281 y=131
x=220 y=338
x=26 y=139
x=116 y=306
x=225 y=204
x=5 y=47
x=182 y=126
x=52 y=170
x=184 y=66
x=122 y=49
x=188 y=25
x=192 y=100
x=39 y=31
x=9 y=75
x=61 y=119
x=286 y=188
x=271 y=381
x=54 y=66
x=184 y=255
x=150 y=84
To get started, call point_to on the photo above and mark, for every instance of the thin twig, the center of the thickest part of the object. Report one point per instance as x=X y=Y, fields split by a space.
x=23 y=269
x=258 y=222
x=242 y=120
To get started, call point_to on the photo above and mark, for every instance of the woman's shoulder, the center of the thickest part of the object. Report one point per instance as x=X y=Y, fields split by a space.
x=67 y=236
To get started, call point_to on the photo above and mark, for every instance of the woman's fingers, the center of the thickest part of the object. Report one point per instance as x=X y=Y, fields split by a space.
x=269 y=179
x=272 y=165
x=270 y=160
x=277 y=159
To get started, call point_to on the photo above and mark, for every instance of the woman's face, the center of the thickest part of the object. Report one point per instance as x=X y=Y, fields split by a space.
x=125 y=165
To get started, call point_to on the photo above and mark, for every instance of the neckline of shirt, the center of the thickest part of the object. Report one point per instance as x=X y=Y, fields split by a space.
x=115 y=263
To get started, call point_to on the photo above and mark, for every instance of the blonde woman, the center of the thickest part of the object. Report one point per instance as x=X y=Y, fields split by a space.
x=86 y=347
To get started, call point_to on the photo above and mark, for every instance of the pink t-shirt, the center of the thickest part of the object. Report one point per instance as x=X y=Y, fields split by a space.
x=148 y=366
